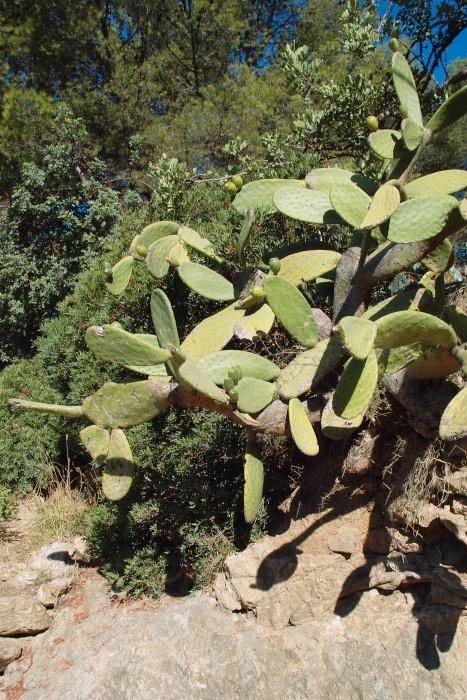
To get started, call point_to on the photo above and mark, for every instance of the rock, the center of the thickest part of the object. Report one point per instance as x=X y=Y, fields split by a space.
x=459 y=505
x=49 y=593
x=457 y=524
x=21 y=614
x=378 y=540
x=54 y=558
x=442 y=596
x=10 y=649
x=18 y=584
x=345 y=540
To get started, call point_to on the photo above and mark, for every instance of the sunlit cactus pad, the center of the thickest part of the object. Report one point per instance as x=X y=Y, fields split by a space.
x=453 y=425
x=458 y=320
x=121 y=274
x=207 y=282
x=442 y=182
x=118 y=472
x=212 y=334
x=382 y=207
x=335 y=427
x=351 y=203
x=193 y=377
x=254 y=478
x=324 y=179
x=96 y=440
x=113 y=344
x=260 y=195
x=311 y=206
x=218 y=364
x=308 y=368
x=386 y=143
x=420 y=218
x=302 y=431
x=306 y=265
x=254 y=395
x=406 y=327
x=356 y=387
x=292 y=310
x=257 y=324
x=123 y=405
x=406 y=89
x=441 y=258
x=357 y=335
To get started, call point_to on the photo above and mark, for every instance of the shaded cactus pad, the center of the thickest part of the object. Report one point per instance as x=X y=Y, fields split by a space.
x=118 y=472
x=254 y=478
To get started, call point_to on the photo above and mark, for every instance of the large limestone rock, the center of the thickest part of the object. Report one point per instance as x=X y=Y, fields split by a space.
x=21 y=614
x=10 y=649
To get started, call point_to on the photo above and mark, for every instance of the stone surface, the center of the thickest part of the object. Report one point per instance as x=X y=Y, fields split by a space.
x=21 y=614
x=49 y=593
x=10 y=649
x=345 y=540
x=54 y=558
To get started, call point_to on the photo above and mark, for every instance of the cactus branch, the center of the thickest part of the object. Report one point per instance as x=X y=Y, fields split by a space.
x=55 y=409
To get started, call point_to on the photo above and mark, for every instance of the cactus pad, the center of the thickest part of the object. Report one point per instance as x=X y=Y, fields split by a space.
x=351 y=203
x=192 y=377
x=412 y=133
x=309 y=368
x=443 y=182
x=254 y=478
x=405 y=87
x=335 y=427
x=116 y=345
x=382 y=207
x=163 y=319
x=386 y=144
x=160 y=229
x=410 y=299
x=420 y=218
x=258 y=323
x=292 y=310
x=441 y=258
x=407 y=327
x=212 y=334
x=434 y=363
x=453 y=425
x=357 y=335
x=193 y=240
x=218 y=364
x=245 y=234
x=157 y=259
x=324 y=179
x=159 y=370
x=402 y=356
x=206 y=282
x=308 y=264
x=96 y=440
x=260 y=195
x=302 y=431
x=254 y=395
x=356 y=387
x=118 y=472
x=124 y=405
x=121 y=274
x=453 y=109
x=311 y=206
x=458 y=320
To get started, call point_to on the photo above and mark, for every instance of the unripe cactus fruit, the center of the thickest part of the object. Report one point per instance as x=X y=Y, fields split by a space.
x=233 y=395
x=393 y=44
x=403 y=111
x=235 y=374
x=107 y=266
x=257 y=292
x=372 y=123
x=174 y=262
x=275 y=265
x=230 y=188
x=229 y=384
x=238 y=182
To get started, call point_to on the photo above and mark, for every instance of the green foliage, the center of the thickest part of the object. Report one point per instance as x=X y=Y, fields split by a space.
x=7 y=503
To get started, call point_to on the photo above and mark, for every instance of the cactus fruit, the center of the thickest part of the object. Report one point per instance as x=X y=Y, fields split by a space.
x=116 y=345
x=356 y=387
x=254 y=478
x=244 y=234
x=158 y=254
x=124 y=405
x=238 y=182
x=458 y=320
x=178 y=255
x=118 y=472
x=434 y=363
x=442 y=182
x=96 y=440
x=382 y=207
x=453 y=425
x=141 y=250
x=311 y=206
x=357 y=335
x=406 y=327
x=212 y=334
x=257 y=293
x=218 y=365
x=236 y=373
x=260 y=195
x=420 y=218
x=307 y=265
x=191 y=376
x=275 y=265
x=302 y=431
x=335 y=427
x=233 y=395
x=393 y=44
x=372 y=123
x=256 y=324
x=230 y=188
x=351 y=203
x=254 y=395
x=403 y=111
x=206 y=282
x=292 y=310
x=450 y=111
x=385 y=143
x=309 y=368
x=324 y=179
x=229 y=384
x=121 y=274
x=405 y=87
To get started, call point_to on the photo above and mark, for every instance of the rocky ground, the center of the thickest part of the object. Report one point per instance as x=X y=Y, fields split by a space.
x=337 y=606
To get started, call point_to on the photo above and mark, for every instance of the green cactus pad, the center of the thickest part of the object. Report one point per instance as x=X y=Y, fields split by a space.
x=441 y=258
x=324 y=179
x=453 y=109
x=159 y=370
x=158 y=230
x=121 y=274
x=96 y=440
x=412 y=133
x=124 y=405
x=434 y=363
x=178 y=255
x=254 y=478
x=244 y=235
x=311 y=206
x=356 y=387
x=402 y=357
x=410 y=299
x=206 y=282
x=192 y=377
x=260 y=195
x=118 y=472
x=292 y=310
x=116 y=345
x=419 y=219
x=453 y=425
x=218 y=364
x=443 y=182
x=308 y=264
x=335 y=427
x=212 y=334
x=458 y=320
x=382 y=207
x=256 y=324
x=405 y=87
x=386 y=144
x=351 y=203
x=285 y=250
x=254 y=395
x=407 y=327
x=158 y=253
x=309 y=368
x=163 y=319
x=460 y=353
x=357 y=335
x=302 y=431
x=202 y=245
